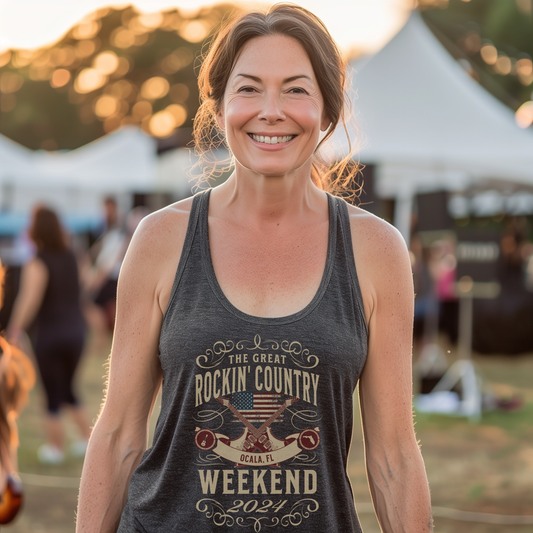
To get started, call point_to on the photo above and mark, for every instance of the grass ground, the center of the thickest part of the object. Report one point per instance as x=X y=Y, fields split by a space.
x=485 y=467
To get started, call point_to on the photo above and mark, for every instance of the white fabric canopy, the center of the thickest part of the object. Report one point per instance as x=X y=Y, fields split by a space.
x=418 y=108
x=124 y=160
x=15 y=160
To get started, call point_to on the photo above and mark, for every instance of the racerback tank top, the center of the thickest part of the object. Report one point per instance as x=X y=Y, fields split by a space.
x=256 y=413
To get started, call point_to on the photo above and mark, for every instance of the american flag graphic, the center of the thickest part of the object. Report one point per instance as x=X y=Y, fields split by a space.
x=257 y=406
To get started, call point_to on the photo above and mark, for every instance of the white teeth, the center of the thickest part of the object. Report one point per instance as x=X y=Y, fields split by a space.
x=272 y=140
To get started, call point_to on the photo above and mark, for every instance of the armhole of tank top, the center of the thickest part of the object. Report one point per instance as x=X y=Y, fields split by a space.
x=348 y=246
x=187 y=245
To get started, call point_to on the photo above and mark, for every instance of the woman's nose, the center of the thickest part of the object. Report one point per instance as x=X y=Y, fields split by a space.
x=272 y=110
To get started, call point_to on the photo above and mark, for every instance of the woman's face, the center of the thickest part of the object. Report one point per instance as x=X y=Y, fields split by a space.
x=273 y=110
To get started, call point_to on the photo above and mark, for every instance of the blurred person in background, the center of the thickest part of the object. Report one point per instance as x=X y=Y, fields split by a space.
x=17 y=378
x=100 y=278
x=49 y=297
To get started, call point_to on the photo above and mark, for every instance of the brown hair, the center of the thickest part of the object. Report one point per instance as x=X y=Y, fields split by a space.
x=17 y=377
x=330 y=70
x=46 y=231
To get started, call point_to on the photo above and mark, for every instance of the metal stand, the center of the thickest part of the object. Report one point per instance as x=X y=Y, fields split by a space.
x=463 y=370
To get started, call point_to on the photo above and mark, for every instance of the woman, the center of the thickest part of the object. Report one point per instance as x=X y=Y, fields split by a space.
x=248 y=301
x=50 y=295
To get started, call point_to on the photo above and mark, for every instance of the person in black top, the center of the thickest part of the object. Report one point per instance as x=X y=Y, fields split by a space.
x=49 y=296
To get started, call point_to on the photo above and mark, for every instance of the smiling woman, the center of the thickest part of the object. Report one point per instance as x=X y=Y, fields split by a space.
x=320 y=70
x=259 y=305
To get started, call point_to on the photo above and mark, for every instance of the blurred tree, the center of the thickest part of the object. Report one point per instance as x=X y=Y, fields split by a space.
x=492 y=38
x=115 y=67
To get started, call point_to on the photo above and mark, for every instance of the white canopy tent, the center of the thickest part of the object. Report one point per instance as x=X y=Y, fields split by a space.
x=428 y=125
x=175 y=170
x=123 y=160
x=15 y=160
x=75 y=182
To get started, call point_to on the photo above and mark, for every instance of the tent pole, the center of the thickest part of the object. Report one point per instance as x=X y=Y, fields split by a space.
x=403 y=210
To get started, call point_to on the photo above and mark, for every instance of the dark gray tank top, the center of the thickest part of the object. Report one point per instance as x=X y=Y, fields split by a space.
x=256 y=413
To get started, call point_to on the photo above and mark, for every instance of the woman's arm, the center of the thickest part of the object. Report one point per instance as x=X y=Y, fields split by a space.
x=33 y=284
x=395 y=468
x=119 y=437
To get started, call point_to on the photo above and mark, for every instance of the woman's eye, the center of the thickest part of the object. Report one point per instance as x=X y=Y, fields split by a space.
x=247 y=89
x=297 y=90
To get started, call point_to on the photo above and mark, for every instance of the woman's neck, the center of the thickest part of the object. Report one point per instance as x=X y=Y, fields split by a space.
x=255 y=199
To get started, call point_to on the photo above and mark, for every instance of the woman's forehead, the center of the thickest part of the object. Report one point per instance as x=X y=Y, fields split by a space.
x=271 y=55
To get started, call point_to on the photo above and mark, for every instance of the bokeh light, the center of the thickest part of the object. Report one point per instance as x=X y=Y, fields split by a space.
x=10 y=82
x=124 y=66
x=61 y=57
x=195 y=31
x=150 y=20
x=503 y=65
x=524 y=115
x=106 y=62
x=155 y=88
x=179 y=113
x=120 y=89
x=524 y=69
x=122 y=37
x=106 y=105
x=5 y=58
x=88 y=80
x=473 y=43
x=489 y=54
x=141 y=110
x=86 y=30
x=162 y=124
x=60 y=78
x=85 y=48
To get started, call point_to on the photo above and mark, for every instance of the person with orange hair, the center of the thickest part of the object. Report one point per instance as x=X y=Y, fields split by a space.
x=17 y=377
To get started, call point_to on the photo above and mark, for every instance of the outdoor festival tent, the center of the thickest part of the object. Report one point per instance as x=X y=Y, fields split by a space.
x=75 y=182
x=427 y=125
x=123 y=160
x=15 y=160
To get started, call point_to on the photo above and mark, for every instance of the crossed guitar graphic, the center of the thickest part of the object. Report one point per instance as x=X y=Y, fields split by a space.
x=259 y=439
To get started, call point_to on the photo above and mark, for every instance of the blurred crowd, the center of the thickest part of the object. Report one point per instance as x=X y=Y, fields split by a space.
x=65 y=288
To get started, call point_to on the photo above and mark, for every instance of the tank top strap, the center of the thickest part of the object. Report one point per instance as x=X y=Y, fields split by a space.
x=347 y=244
x=198 y=204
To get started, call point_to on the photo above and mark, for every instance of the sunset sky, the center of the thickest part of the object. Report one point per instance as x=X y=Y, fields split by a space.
x=365 y=24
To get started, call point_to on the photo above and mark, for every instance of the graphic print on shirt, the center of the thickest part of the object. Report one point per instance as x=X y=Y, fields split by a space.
x=257 y=434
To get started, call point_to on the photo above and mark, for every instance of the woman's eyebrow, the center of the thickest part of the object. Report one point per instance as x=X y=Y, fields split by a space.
x=286 y=80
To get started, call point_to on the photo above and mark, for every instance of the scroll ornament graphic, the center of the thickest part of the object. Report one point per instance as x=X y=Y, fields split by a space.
x=221 y=517
x=215 y=356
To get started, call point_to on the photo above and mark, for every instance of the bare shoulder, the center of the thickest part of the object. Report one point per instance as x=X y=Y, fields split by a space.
x=163 y=227
x=35 y=268
x=374 y=236
x=381 y=257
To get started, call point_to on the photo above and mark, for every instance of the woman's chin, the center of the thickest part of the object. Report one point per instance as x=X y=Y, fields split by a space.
x=271 y=169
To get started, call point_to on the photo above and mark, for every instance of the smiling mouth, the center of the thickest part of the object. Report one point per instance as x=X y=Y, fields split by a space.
x=271 y=140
